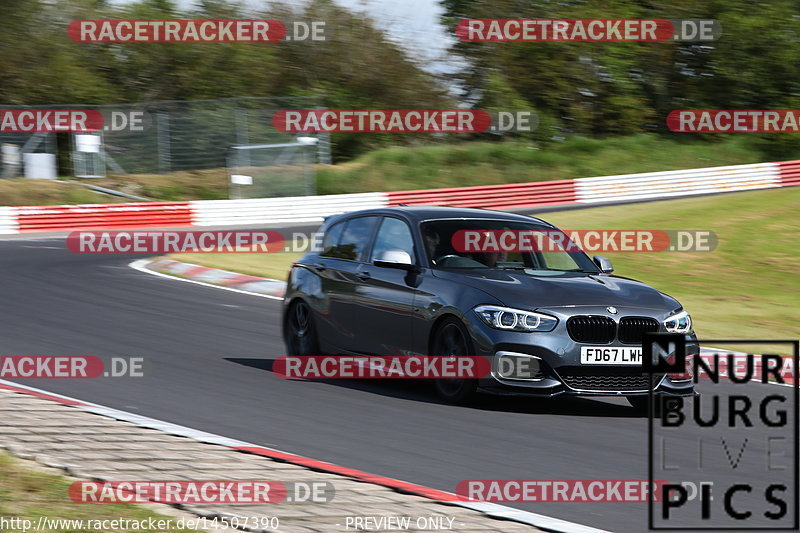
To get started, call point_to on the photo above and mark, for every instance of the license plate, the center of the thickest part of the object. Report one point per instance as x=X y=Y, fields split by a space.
x=610 y=355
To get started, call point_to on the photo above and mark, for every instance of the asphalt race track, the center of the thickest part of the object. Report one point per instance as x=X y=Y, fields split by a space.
x=207 y=358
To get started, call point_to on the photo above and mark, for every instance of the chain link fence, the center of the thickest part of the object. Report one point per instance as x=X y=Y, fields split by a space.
x=269 y=170
x=170 y=136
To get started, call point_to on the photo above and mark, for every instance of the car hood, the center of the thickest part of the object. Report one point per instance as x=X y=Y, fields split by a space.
x=518 y=289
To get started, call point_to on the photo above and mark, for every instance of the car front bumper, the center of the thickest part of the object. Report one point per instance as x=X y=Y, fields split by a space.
x=561 y=371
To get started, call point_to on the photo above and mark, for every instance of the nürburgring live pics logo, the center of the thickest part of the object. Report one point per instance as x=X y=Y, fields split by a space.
x=730 y=454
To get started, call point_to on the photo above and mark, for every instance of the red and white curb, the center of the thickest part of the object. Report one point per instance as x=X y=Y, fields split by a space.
x=493 y=510
x=212 y=277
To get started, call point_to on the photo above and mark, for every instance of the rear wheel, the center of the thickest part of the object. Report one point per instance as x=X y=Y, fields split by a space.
x=452 y=339
x=299 y=333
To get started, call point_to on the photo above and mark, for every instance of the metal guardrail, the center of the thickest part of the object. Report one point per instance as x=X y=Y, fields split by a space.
x=281 y=210
x=790 y=173
x=103 y=216
x=492 y=196
x=677 y=183
x=8 y=220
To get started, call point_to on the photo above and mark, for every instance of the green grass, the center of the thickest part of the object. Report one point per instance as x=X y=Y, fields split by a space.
x=29 y=494
x=209 y=184
x=49 y=192
x=485 y=163
x=273 y=265
x=746 y=288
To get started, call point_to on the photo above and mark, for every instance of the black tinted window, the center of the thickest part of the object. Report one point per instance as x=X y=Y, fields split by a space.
x=355 y=237
x=330 y=239
x=439 y=244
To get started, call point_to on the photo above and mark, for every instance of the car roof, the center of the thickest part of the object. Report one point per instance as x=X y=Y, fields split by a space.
x=425 y=212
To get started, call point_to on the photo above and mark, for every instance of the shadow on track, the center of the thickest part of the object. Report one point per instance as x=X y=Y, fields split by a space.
x=422 y=391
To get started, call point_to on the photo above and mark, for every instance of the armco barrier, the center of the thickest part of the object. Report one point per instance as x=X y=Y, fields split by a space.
x=492 y=196
x=790 y=173
x=297 y=209
x=103 y=216
x=8 y=220
x=677 y=183
x=312 y=209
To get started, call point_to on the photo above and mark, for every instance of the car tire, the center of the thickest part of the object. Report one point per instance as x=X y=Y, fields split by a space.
x=642 y=406
x=299 y=333
x=451 y=338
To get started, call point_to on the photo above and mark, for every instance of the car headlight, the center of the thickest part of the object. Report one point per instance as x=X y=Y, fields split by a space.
x=679 y=323
x=515 y=319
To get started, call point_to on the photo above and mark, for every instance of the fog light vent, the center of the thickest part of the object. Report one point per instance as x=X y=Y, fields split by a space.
x=518 y=366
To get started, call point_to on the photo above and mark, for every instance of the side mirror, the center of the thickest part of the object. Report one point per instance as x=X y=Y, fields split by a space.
x=603 y=263
x=394 y=258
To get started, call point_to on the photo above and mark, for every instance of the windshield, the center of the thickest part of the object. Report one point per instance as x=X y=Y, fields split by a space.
x=501 y=245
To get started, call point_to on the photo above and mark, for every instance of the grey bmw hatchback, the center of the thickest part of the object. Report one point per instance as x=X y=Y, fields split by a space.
x=397 y=281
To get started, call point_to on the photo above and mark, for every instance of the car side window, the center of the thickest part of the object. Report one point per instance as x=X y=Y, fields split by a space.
x=331 y=239
x=394 y=234
x=355 y=238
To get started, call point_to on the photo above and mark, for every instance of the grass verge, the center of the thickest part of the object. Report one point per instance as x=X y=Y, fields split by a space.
x=488 y=163
x=49 y=192
x=746 y=288
x=274 y=266
x=28 y=494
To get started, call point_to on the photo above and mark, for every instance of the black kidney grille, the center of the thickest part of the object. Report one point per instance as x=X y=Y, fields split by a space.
x=607 y=378
x=592 y=329
x=631 y=329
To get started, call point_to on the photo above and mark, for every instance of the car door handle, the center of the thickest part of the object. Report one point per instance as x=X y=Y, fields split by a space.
x=364 y=275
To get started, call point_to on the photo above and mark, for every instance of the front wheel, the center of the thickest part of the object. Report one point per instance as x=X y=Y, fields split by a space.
x=452 y=340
